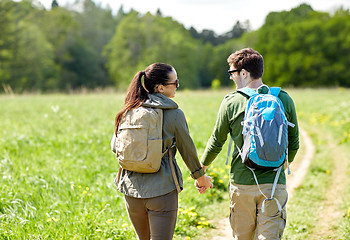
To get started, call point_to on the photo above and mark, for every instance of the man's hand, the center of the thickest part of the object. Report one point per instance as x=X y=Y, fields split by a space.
x=203 y=183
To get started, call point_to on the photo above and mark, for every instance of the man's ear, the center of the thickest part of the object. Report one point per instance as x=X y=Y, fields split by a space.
x=245 y=73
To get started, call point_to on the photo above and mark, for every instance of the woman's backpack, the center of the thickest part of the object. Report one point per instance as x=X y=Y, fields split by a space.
x=138 y=144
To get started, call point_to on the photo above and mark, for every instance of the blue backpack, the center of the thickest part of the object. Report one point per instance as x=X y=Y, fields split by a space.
x=265 y=133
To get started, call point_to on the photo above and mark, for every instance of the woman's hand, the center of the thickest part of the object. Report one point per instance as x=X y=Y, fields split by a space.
x=203 y=183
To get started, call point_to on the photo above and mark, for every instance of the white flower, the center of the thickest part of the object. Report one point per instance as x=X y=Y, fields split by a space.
x=55 y=109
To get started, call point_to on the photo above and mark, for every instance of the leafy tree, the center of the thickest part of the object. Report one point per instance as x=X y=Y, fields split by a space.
x=8 y=38
x=209 y=36
x=63 y=49
x=143 y=39
x=237 y=30
x=336 y=49
x=305 y=48
x=34 y=65
x=61 y=30
x=54 y=4
x=27 y=61
x=159 y=13
x=205 y=58
x=96 y=26
x=218 y=63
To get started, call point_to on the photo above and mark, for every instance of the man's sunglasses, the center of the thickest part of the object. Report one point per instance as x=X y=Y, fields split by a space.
x=230 y=72
x=176 y=83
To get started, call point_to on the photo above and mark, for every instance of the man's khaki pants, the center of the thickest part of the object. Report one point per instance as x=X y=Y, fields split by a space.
x=246 y=217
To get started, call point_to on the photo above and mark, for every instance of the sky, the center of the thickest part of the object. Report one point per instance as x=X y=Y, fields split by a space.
x=217 y=15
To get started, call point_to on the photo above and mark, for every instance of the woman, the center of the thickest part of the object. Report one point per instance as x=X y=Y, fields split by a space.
x=151 y=199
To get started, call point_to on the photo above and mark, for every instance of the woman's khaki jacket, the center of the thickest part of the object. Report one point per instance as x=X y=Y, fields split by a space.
x=175 y=130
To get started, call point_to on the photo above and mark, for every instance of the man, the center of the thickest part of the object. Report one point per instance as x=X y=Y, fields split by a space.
x=247 y=219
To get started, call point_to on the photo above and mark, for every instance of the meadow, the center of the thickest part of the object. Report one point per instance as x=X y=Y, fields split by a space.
x=57 y=170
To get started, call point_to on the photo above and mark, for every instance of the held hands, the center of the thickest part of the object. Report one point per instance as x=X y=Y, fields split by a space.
x=203 y=183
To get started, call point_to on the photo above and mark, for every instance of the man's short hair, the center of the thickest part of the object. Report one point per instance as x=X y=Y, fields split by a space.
x=248 y=59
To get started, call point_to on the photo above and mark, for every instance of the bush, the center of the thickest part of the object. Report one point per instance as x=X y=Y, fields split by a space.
x=215 y=84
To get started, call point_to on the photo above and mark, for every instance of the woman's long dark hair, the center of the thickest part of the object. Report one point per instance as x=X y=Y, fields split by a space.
x=154 y=74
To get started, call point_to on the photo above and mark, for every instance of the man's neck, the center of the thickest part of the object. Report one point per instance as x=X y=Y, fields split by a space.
x=254 y=84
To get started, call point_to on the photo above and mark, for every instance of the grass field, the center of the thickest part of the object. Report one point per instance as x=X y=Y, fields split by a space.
x=57 y=171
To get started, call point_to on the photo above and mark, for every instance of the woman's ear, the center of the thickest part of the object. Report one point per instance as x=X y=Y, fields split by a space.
x=159 y=88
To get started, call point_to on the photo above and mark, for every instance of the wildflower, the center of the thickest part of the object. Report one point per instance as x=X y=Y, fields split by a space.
x=87 y=188
x=109 y=221
x=202 y=218
x=193 y=214
x=199 y=227
x=52 y=219
x=84 y=192
x=213 y=175
x=220 y=181
x=55 y=109
x=79 y=186
x=187 y=238
x=335 y=124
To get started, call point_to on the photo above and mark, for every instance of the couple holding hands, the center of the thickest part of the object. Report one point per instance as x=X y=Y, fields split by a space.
x=151 y=199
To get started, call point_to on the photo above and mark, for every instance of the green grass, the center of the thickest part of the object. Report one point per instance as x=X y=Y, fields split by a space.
x=325 y=115
x=57 y=170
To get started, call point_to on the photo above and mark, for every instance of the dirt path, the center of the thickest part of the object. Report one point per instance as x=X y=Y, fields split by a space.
x=300 y=166
x=298 y=169
x=326 y=227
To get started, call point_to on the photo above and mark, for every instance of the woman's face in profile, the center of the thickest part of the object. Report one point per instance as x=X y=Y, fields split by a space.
x=169 y=89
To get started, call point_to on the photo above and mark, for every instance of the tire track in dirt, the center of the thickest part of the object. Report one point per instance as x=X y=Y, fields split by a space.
x=330 y=211
x=298 y=172
x=299 y=169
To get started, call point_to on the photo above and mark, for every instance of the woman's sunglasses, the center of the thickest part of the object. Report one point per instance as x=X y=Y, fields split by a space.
x=176 y=83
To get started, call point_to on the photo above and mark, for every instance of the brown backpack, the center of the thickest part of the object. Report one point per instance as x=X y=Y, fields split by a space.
x=138 y=144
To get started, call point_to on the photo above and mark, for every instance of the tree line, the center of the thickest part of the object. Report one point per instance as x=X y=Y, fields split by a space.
x=87 y=46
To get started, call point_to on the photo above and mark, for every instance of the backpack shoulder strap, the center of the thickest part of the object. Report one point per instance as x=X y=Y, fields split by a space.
x=275 y=91
x=247 y=91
